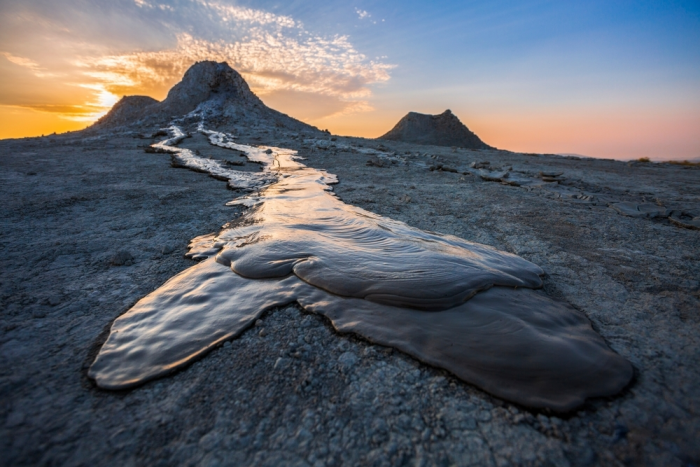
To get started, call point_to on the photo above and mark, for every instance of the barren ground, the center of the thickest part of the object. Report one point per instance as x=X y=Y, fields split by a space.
x=297 y=393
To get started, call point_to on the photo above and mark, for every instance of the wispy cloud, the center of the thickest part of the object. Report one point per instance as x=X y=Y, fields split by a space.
x=35 y=68
x=362 y=14
x=249 y=15
x=21 y=61
x=78 y=113
x=160 y=6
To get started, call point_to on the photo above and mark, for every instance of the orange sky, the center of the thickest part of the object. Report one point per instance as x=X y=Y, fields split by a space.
x=660 y=137
x=601 y=133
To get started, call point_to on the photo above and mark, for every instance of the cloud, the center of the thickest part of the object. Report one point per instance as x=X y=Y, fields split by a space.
x=269 y=62
x=249 y=15
x=362 y=14
x=21 y=61
x=29 y=64
x=160 y=6
x=276 y=54
x=73 y=112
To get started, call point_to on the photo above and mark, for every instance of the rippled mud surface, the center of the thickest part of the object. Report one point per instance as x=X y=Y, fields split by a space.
x=458 y=305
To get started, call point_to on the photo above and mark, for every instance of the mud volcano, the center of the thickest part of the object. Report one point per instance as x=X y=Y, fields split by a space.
x=438 y=130
x=454 y=304
x=215 y=85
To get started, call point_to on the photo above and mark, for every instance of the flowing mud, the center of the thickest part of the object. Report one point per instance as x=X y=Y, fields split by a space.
x=458 y=305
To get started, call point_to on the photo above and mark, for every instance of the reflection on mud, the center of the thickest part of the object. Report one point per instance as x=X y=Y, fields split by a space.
x=458 y=305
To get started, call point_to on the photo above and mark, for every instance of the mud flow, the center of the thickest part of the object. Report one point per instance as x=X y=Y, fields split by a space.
x=454 y=304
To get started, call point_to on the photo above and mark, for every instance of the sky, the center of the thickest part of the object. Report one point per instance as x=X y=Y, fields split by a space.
x=603 y=79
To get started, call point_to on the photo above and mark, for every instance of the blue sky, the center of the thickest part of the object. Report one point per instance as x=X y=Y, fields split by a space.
x=607 y=79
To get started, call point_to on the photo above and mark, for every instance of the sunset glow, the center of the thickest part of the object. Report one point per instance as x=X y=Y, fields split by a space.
x=522 y=81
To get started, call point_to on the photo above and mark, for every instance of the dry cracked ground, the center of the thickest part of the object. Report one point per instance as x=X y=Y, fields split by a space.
x=92 y=224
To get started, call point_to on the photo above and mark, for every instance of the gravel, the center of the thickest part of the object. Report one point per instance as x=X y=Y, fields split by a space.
x=291 y=391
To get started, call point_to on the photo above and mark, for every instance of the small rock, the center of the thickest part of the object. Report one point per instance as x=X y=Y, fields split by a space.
x=167 y=249
x=282 y=363
x=258 y=323
x=262 y=333
x=210 y=440
x=493 y=176
x=122 y=258
x=376 y=162
x=347 y=360
x=307 y=322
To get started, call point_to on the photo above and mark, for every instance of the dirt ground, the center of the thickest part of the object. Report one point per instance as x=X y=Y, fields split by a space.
x=92 y=223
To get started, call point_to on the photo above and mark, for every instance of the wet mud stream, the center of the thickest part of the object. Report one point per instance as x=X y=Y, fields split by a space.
x=458 y=305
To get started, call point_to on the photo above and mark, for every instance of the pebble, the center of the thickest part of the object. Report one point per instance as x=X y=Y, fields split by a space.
x=347 y=360
x=282 y=363
x=122 y=258
x=54 y=300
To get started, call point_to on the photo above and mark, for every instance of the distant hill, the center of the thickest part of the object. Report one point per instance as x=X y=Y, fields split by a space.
x=439 y=130
x=215 y=90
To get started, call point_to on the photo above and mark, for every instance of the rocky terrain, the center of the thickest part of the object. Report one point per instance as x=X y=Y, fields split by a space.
x=439 y=130
x=92 y=223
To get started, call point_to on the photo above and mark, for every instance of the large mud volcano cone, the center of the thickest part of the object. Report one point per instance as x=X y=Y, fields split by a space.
x=214 y=90
x=209 y=80
x=438 y=130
